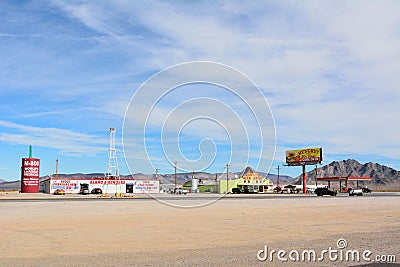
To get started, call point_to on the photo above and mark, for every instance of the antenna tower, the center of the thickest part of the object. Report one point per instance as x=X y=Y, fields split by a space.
x=112 y=173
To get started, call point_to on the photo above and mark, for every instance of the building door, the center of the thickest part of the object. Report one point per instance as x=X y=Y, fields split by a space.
x=129 y=188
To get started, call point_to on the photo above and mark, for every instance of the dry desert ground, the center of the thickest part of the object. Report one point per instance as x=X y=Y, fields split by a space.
x=230 y=232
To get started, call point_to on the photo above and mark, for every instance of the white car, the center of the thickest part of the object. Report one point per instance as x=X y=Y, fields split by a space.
x=180 y=191
x=355 y=192
x=311 y=189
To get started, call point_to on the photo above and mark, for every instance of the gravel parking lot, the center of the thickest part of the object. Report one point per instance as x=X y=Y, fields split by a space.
x=229 y=232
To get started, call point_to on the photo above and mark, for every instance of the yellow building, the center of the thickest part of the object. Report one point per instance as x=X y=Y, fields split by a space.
x=249 y=181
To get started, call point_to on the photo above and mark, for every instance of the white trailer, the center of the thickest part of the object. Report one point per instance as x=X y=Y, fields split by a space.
x=110 y=186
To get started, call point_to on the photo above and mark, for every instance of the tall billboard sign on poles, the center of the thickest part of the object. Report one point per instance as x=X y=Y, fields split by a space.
x=303 y=157
x=30 y=173
x=308 y=156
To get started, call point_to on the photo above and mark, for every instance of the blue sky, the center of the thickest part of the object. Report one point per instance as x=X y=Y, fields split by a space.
x=68 y=69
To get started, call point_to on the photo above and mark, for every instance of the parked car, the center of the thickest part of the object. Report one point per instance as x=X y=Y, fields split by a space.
x=252 y=191
x=321 y=191
x=59 y=192
x=311 y=189
x=292 y=189
x=366 y=190
x=355 y=192
x=277 y=189
x=84 y=190
x=180 y=191
x=96 y=191
x=236 y=190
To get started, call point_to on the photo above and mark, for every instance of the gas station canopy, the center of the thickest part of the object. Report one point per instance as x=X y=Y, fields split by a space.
x=343 y=178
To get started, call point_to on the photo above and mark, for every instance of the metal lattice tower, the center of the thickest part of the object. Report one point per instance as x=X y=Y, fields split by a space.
x=112 y=172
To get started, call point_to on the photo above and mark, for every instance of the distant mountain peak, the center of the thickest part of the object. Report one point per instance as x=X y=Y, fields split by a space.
x=246 y=171
x=381 y=175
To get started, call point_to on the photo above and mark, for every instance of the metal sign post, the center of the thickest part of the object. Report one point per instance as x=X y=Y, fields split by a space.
x=304 y=179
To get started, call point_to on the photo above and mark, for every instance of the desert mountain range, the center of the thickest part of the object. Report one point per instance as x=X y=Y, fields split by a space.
x=383 y=177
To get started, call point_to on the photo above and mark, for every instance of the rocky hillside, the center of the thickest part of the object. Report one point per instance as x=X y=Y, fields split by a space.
x=383 y=177
x=14 y=185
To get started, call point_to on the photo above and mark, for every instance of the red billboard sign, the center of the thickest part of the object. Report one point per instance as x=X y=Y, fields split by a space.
x=30 y=173
x=306 y=156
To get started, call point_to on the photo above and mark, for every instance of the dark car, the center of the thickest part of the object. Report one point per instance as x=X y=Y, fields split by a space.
x=366 y=190
x=96 y=191
x=321 y=191
x=236 y=190
x=277 y=189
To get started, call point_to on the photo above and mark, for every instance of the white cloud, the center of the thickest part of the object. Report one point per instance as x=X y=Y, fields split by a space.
x=329 y=72
x=67 y=141
x=330 y=69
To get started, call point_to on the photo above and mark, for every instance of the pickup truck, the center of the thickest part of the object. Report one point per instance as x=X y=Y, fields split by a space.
x=84 y=190
x=321 y=191
x=355 y=192
x=180 y=191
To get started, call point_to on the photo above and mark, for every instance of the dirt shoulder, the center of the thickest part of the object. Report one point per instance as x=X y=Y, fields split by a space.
x=228 y=232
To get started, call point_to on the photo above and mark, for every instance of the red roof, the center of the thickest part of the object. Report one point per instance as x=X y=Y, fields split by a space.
x=354 y=178
x=349 y=178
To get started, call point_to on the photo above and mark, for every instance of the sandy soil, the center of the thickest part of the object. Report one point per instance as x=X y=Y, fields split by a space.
x=229 y=232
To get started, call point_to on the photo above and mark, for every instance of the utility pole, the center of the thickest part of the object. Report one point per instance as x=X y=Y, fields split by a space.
x=227 y=172
x=216 y=185
x=156 y=169
x=316 y=173
x=277 y=182
x=191 y=184
x=56 y=168
x=175 y=175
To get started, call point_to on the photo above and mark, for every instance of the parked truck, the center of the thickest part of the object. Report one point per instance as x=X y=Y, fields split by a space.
x=84 y=189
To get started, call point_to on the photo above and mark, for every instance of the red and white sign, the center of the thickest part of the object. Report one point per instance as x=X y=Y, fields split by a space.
x=30 y=173
x=146 y=186
x=110 y=186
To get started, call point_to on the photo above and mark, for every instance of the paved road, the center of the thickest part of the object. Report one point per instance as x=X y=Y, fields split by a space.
x=203 y=197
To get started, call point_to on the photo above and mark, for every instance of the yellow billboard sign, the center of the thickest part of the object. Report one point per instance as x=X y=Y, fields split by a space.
x=306 y=156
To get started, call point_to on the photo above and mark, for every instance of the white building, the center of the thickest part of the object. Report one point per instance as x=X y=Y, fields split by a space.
x=111 y=186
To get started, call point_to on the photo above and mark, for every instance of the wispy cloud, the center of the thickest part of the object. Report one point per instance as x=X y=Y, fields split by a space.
x=68 y=142
x=330 y=69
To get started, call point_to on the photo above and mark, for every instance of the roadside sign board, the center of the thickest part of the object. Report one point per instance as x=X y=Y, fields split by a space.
x=308 y=156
